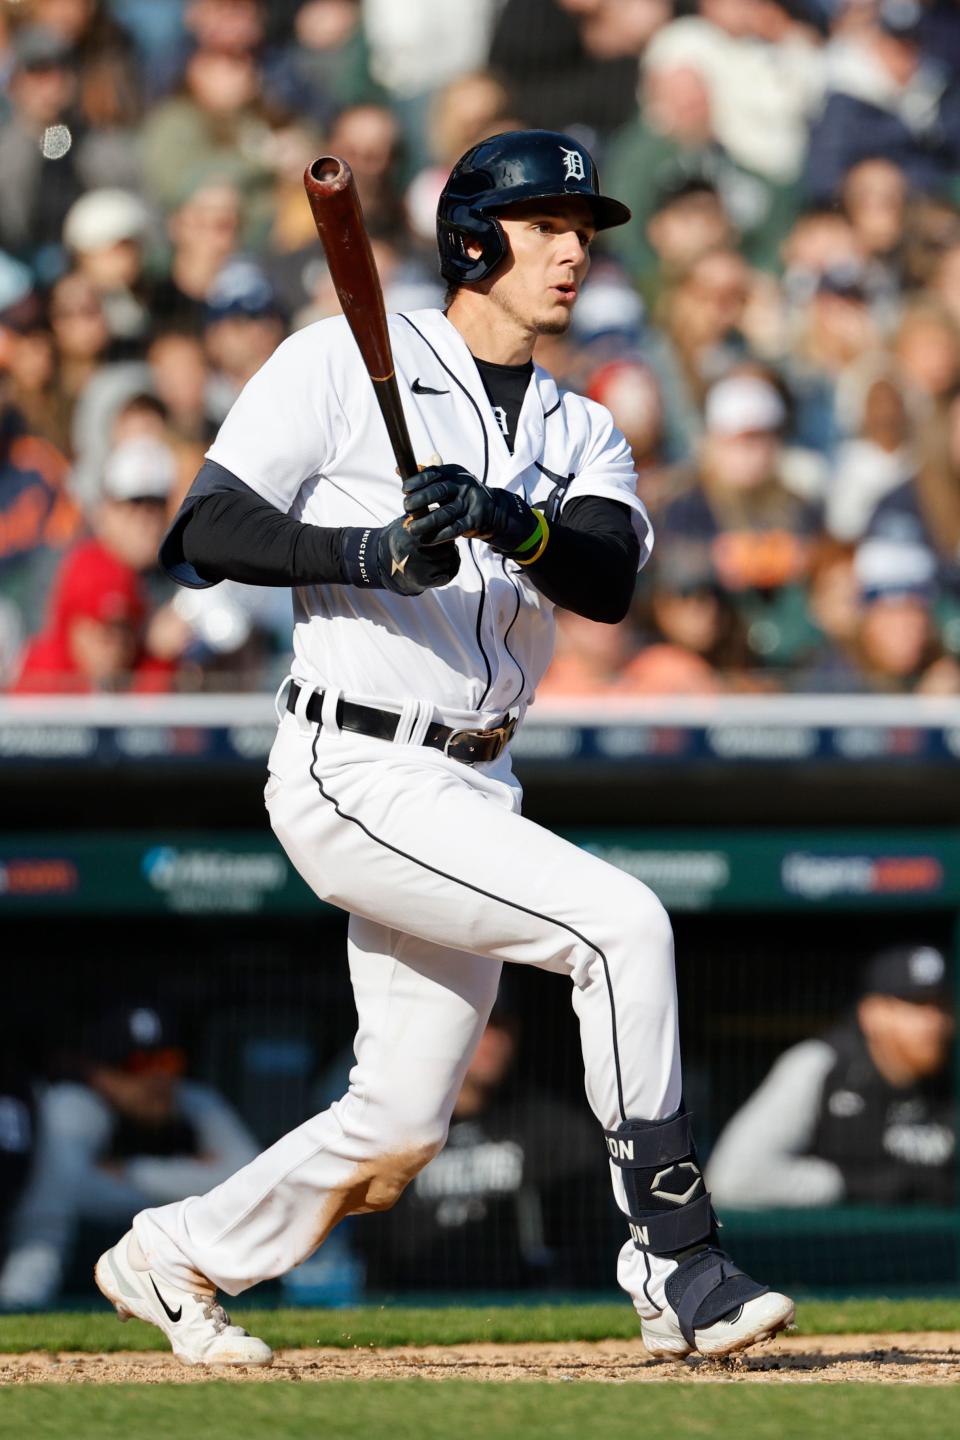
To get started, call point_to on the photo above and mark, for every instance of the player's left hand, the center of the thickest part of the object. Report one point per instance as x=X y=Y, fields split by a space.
x=467 y=508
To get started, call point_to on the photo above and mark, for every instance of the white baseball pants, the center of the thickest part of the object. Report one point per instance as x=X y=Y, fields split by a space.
x=444 y=880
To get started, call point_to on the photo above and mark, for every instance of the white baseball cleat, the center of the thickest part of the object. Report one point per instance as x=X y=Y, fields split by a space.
x=199 y=1330
x=750 y=1323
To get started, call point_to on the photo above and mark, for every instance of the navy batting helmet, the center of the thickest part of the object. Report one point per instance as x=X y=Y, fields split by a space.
x=504 y=170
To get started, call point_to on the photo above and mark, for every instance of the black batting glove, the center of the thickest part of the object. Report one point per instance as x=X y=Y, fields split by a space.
x=467 y=508
x=390 y=557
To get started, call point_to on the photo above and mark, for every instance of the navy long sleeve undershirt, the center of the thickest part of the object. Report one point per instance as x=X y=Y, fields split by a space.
x=225 y=531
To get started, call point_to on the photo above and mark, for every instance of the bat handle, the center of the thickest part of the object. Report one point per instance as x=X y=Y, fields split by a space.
x=388 y=399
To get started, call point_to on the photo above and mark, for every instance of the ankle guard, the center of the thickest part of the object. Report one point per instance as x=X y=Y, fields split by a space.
x=669 y=1204
x=670 y=1215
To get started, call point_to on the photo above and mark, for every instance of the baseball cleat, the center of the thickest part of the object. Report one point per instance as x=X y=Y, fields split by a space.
x=199 y=1330
x=750 y=1323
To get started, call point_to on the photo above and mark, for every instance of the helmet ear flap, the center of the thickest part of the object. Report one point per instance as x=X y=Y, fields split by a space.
x=466 y=228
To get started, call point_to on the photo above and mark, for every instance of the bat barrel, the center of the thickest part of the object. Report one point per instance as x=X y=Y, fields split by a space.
x=335 y=204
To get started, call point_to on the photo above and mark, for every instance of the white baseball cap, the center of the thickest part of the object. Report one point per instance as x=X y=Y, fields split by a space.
x=103 y=217
x=140 y=469
x=887 y=567
x=743 y=403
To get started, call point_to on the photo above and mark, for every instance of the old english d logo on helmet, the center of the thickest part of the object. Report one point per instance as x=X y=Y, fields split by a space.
x=504 y=170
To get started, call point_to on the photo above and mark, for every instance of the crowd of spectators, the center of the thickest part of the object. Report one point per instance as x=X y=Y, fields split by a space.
x=777 y=332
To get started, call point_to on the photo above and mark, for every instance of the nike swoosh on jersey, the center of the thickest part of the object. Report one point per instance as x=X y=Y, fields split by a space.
x=420 y=389
x=172 y=1315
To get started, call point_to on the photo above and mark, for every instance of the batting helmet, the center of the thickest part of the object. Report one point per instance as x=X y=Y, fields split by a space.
x=504 y=170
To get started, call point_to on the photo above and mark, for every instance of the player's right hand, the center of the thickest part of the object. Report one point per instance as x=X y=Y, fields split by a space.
x=408 y=567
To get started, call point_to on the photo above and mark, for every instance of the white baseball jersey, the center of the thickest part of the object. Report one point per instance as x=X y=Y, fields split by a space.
x=307 y=435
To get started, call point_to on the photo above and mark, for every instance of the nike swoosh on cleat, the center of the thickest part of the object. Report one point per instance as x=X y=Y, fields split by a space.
x=419 y=389
x=172 y=1315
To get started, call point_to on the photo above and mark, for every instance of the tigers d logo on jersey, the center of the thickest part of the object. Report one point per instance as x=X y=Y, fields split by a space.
x=573 y=164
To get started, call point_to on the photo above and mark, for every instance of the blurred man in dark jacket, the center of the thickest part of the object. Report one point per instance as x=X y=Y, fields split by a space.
x=864 y=1115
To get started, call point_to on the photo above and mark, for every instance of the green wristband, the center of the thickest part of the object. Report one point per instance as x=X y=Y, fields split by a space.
x=533 y=540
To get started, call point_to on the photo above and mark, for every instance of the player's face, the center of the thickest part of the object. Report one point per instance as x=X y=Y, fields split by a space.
x=916 y=1037
x=548 y=260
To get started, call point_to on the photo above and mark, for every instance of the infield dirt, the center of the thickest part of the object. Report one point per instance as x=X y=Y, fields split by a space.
x=931 y=1358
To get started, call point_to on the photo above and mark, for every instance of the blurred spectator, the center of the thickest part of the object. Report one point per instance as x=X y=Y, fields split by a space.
x=109 y=81
x=899 y=647
x=39 y=172
x=573 y=63
x=932 y=226
x=885 y=97
x=835 y=607
x=764 y=74
x=864 y=1115
x=607 y=661
x=368 y=138
x=837 y=329
x=325 y=66
x=926 y=511
x=138 y=479
x=662 y=669
x=821 y=240
x=686 y=193
x=158 y=36
x=178 y=371
x=686 y=220
x=880 y=458
x=167 y=396
x=234 y=638
x=468 y=110
x=927 y=347
x=129 y=1131
x=37 y=520
x=244 y=325
x=205 y=232
x=27 y=354
x=31 y=361
x=104 y=233
x=629 y=390
x=874 y=199
x=493 y=1209
x=214 y=129
x=81 y=338
x=94 y=635
x=590 y=659
x=417 y=48
x=691 y=615
x=700 y=340
x=294 y=145
x=758 y=534
x=97 y=635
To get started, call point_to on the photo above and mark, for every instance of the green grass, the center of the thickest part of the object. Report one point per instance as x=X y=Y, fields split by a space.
x=417 y=1409
x=100 y=1331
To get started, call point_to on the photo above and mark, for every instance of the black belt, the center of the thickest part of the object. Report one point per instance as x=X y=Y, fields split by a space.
x=470 y=747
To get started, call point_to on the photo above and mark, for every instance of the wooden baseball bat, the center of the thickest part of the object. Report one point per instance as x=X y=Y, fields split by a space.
x=338 y=217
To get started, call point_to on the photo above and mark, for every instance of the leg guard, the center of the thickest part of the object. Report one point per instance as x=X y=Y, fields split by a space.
x=671 y=1216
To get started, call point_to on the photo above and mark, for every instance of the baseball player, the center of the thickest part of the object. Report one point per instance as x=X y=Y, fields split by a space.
x=418 y=644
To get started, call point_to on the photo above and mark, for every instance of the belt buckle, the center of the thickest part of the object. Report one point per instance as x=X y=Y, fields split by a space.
x=503 y=732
